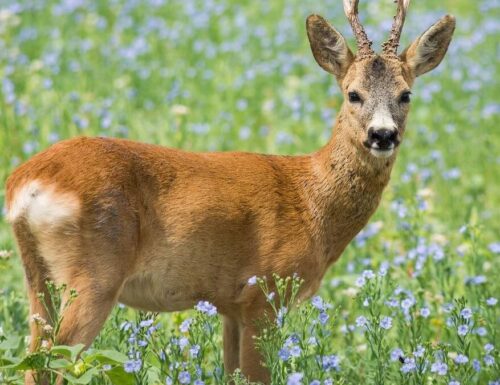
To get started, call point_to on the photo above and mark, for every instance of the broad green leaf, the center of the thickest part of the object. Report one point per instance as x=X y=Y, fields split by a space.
x=70 y=352
x=60 y=363
x=118 y=376
x=85 y=378
x=31 y=361
x=11 y=343
x=106 y=357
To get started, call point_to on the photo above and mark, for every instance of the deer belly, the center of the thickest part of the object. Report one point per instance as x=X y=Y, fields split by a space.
x=156 y=292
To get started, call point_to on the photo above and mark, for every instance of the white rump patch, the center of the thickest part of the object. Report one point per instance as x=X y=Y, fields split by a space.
x=42 y=205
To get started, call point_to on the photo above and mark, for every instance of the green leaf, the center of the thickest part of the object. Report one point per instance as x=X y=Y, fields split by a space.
x=60 y=363
x=106 y=357
x=8 y=361
x=85 y=378
x=70 y=352
x=11 y=343
x=118 y=376
x=31 y=361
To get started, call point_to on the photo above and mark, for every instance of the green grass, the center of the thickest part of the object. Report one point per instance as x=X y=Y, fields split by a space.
x=245 y=73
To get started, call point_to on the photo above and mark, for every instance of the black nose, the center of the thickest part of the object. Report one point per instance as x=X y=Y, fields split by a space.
x=383 y=137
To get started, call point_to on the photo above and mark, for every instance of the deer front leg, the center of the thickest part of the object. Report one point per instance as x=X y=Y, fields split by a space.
x=231 y=345
x=250 y=357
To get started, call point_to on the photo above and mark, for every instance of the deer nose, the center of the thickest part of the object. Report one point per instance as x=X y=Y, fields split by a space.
x=383 y=137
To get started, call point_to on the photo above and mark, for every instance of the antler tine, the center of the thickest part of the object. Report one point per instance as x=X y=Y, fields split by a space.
x=390 y=47
x=364 y=44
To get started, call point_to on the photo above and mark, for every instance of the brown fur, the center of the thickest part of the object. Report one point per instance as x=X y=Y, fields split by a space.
x=160 y=229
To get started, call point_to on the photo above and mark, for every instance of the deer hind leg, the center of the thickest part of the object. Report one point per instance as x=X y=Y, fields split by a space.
x=36 y=275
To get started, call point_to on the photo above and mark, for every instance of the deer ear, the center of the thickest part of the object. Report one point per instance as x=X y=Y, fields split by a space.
x=328 y=46
x=425 y=53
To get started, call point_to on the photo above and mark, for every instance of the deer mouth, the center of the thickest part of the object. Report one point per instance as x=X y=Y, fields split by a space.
x=381 y=150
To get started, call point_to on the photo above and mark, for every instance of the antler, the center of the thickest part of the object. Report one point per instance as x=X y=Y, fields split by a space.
x=364 y=44
x=390 y=47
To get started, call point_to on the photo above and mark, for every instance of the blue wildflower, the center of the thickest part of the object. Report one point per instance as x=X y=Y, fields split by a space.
x=207 y=308
x=184 y=377
x=386 y=323
x=295 y=379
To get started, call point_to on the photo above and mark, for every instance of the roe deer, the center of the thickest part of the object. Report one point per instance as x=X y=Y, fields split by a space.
x=160 y=229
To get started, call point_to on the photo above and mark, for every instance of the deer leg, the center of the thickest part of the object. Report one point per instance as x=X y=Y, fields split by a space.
x=84 y=317
x=231 y=345
x=250 y=357
x=36 y=273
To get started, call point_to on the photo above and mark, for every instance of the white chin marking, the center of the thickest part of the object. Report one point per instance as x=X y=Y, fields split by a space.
x=381 y=153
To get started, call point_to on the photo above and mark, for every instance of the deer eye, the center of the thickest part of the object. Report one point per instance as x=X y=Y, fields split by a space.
x=354 y=97
x=405 y=97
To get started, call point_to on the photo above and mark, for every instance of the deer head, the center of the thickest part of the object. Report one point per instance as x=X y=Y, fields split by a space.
x=377 y=87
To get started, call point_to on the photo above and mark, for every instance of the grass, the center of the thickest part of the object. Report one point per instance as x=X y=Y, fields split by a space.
x=226 y=75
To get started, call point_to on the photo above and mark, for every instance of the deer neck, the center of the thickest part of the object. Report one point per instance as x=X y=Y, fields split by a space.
x=347 y=187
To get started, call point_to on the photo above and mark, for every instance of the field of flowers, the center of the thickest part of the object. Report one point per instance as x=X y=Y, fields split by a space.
x=413 y=300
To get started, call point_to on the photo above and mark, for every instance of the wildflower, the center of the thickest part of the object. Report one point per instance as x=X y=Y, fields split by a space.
x=461 y=359
x=494 y=247
x=463 y=330
x=183 y=342
x=284 y=354
x=453 y=382
x=447 y=307
x=207 y=308
x=476 y=364
x=419 y=352
x=323 y=318
x=281 y=315
x=396 y=354
x=481 y=331
x=440 y=368
x=252 y=280
x=392 y=302
x=185 y=325
x=106 y=367
x=360 y=281
x=407 y=303
x=270 y=296
x=132 y=366
x=330 y=362
x=386 y=323
x=368 y=274
x=466 y=313
x=491 y=301
x=199 y=382
x=146 y=323
x=194 y=351
x=184 y=377
x=488 y=348
x=295 y=351
x=489 y=360
x=312 y=341
x=425 y=312
x=318 y=303
x=361 y=321
x=478 y=280
x=409 y=365
x=295 y=379
x=315 y=382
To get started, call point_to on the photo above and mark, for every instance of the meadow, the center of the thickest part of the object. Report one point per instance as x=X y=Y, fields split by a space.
x=414 y=298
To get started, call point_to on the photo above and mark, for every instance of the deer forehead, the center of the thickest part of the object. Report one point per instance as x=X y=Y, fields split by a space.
x=377 y=76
